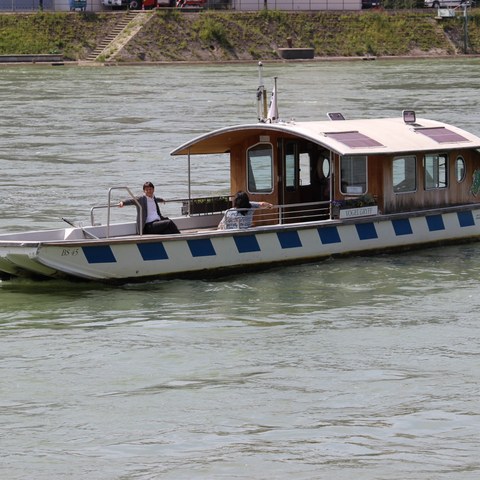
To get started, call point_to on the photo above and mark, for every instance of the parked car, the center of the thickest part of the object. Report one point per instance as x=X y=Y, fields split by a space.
x=370 y=4
x=448 y=3
x=115 y=3
x=149 y=4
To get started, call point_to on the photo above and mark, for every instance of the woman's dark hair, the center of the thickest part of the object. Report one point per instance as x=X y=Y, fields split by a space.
x=241 y=200
x=148 y=184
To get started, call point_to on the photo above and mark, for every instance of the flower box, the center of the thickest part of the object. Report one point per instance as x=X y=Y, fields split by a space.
x=206 y=205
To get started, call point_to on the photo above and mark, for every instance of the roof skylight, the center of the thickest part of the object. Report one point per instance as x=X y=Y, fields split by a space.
x=353 y=139
x=441 y=134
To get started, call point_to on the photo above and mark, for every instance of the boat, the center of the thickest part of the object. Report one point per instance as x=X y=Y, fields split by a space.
x=338 y=187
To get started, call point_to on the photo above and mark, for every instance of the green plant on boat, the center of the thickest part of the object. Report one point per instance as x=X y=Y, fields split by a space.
x=366 y=200
x=206 y=205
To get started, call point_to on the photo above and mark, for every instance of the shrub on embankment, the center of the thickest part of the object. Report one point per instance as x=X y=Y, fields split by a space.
x=73 y=35
x=223 y=36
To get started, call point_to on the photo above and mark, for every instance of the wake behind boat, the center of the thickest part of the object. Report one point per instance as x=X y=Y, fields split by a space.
x=338 y=187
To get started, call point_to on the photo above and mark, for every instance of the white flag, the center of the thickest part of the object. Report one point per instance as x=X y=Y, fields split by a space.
x=273 y=107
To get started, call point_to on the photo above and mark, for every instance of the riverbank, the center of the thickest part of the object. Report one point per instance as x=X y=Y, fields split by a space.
x=212 y=36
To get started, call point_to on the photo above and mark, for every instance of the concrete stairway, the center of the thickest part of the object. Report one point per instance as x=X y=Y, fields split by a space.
x=119 y=35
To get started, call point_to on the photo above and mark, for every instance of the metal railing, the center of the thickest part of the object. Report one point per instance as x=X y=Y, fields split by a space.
x=110 y=205
x=238 y=5
x=284 y=214
x=296 y=5
x=299 y=212
x=276 y=215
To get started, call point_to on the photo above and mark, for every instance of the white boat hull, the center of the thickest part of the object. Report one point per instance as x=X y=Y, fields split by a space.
x=134 y=257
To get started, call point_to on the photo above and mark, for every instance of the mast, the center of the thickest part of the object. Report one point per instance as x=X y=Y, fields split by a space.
x=261 y=96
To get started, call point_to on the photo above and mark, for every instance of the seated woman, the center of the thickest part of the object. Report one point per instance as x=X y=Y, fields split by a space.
x=241 y=215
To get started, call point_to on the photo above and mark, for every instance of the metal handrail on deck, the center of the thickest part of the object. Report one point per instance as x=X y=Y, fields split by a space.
x=109 y=205
x=293 y=212
x=301 y=212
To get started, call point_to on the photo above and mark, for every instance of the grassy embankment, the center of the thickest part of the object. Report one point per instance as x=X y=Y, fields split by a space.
x=223 y=36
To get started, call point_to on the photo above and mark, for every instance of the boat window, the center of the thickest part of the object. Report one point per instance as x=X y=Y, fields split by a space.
x=460 y=170
x=297 y=166
x=435 y=171
x=305 y=177
x=353 y=180
x=326 y=167
x=290 y=166
x=404 y=174
x=260 y=168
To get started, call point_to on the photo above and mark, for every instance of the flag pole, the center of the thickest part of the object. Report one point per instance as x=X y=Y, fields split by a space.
x=272 y=115
x=265 y=108
x=275 y=98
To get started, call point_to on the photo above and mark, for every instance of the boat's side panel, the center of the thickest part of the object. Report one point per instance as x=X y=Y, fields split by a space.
x=170 y=256
x=22 y=260
x=6 y=266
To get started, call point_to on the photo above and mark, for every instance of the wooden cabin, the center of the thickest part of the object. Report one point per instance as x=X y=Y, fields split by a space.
x=395 y=164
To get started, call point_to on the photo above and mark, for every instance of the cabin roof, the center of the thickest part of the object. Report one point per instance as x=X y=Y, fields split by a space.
x=345 y=137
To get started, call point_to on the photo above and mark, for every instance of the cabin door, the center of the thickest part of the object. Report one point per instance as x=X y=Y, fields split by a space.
x=295 y=178
x=304 y=179
x=298 y=164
